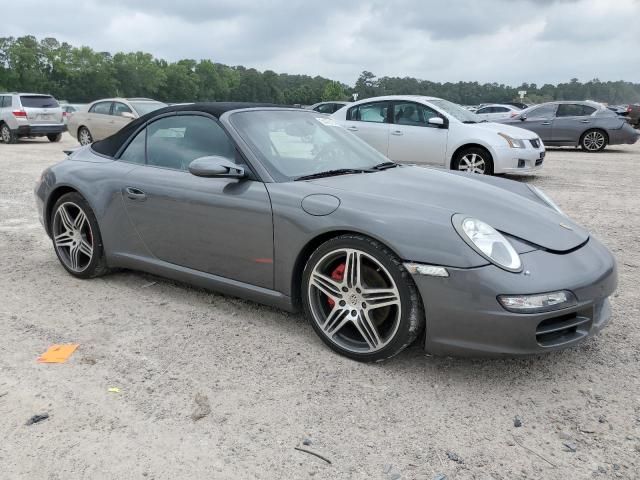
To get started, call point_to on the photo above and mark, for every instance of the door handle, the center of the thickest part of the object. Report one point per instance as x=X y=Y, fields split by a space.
x=585 y=121
x=135 y=193
x=546 y=123
x=397 y=133
x=352 y=129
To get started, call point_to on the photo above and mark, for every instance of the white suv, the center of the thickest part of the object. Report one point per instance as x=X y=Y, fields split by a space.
x=29 y=115
x=433 y=131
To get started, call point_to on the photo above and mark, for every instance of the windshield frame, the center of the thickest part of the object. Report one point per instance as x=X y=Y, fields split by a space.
x=264 y=167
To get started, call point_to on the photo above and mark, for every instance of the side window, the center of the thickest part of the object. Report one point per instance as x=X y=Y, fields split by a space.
x=545 y=111
x=409 y=113
x=500 y=109
x=134 y=152
x=587 y=110
x=324 y=108
x=103 y=108
x=483 y=110
x=370 y=112
x=176 y=141
x=570 y=110
x=337 y=106
x=119 y=108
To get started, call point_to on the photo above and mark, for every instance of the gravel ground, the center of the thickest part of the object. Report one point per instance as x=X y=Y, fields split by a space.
x=216 y=387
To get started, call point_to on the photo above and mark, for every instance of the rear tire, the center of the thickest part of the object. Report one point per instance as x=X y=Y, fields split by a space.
x=7 y=135
x=84 y=136
x=54 y=137
x=594 y=141
x=370 y=315
x=473 y=160
x=76 y=237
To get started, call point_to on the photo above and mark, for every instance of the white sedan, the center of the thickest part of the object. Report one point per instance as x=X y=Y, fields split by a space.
x=433 y=131
x=497 y=112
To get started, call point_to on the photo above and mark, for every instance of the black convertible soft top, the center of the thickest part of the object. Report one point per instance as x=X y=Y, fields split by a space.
x=110 y=145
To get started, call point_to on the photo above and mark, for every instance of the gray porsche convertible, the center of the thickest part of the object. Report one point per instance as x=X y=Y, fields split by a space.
x=284 y=207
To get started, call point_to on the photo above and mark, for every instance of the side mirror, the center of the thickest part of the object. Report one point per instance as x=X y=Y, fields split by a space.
x=213 y=167
x=128 y=115
x=436 y=121
x=523 y=117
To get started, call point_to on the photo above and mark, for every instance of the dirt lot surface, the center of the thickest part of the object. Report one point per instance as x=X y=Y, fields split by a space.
x=219 y=388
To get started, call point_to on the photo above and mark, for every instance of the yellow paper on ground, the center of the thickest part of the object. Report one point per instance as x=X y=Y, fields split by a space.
x=58 y=353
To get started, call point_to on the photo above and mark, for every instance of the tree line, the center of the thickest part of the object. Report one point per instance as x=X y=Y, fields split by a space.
x=80 y=74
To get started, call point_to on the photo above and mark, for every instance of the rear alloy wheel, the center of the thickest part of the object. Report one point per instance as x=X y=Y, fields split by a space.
x=76 y=237
x=473 y=160
x=593 y=141
x=7 y=135
x=54 y=137
x=360 y=299
x=84 y=136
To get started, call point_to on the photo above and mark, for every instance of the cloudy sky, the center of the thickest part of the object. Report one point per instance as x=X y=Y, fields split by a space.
x=505 y=41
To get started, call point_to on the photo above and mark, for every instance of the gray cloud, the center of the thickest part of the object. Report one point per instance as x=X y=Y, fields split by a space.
x=506 y=41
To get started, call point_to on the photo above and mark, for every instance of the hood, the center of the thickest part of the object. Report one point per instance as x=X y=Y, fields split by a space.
x=514 y=132
x=504 y=204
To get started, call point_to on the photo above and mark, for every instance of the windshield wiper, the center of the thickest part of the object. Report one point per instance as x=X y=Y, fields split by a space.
x=332 y=173
x=385 y=165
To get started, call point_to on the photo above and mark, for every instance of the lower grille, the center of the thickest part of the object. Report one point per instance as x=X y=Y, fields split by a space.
x=556 y=331
x=539 y=161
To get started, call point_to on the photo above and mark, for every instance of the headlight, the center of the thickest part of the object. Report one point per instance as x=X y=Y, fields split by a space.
x=542 y=302
x=545 y=198
x=513 y=142
x=488 y=242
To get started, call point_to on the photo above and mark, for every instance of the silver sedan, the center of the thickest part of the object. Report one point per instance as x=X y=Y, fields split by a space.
x=589 y=125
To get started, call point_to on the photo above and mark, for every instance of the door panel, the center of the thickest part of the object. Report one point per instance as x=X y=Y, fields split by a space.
x=412 y=139
x=98 y=120
x=214 y=225
x=540 y=120
x=369 y=122
x=571 y=121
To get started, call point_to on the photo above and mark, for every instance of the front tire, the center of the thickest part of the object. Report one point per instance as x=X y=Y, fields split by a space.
x=54 y=137
x=76 y=237
x=360 y=299
x=473 y=160
x=7 y=135
x=84 y=136
x=593 y=141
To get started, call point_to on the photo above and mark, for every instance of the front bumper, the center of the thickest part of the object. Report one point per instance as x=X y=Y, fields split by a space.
x=463 y=316
x=39 y=130
x=519 y=160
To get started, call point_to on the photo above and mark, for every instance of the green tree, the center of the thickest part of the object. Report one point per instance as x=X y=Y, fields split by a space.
x=333 y=91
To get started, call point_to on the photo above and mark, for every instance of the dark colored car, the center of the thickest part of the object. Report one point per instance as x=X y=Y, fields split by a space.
x=589 y=125
x=633 y=112
x=285 y=207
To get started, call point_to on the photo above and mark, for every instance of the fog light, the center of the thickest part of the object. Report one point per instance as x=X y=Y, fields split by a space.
x=542 y=302
x=422 y=269
x=521 y=163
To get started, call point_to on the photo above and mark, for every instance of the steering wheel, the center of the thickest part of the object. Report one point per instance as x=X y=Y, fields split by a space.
x=326 y=158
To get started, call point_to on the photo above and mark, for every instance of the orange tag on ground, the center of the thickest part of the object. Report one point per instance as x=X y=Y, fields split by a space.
x=58 y=353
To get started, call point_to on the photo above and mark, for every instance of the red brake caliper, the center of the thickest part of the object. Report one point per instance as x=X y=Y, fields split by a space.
x=338 y=276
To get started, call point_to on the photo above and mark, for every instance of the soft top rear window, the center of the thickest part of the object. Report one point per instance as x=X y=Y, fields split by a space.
x=38 y=101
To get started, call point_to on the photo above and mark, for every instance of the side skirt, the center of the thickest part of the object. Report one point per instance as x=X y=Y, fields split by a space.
x=203 y=280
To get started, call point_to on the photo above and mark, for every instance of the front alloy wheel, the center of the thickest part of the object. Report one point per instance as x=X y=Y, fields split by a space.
x=473 y=160
x=361 y=301
x=84 y=136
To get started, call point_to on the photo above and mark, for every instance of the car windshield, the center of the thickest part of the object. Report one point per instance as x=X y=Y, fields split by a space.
x=295 y=144
x=456 y=111
x=145 y=107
